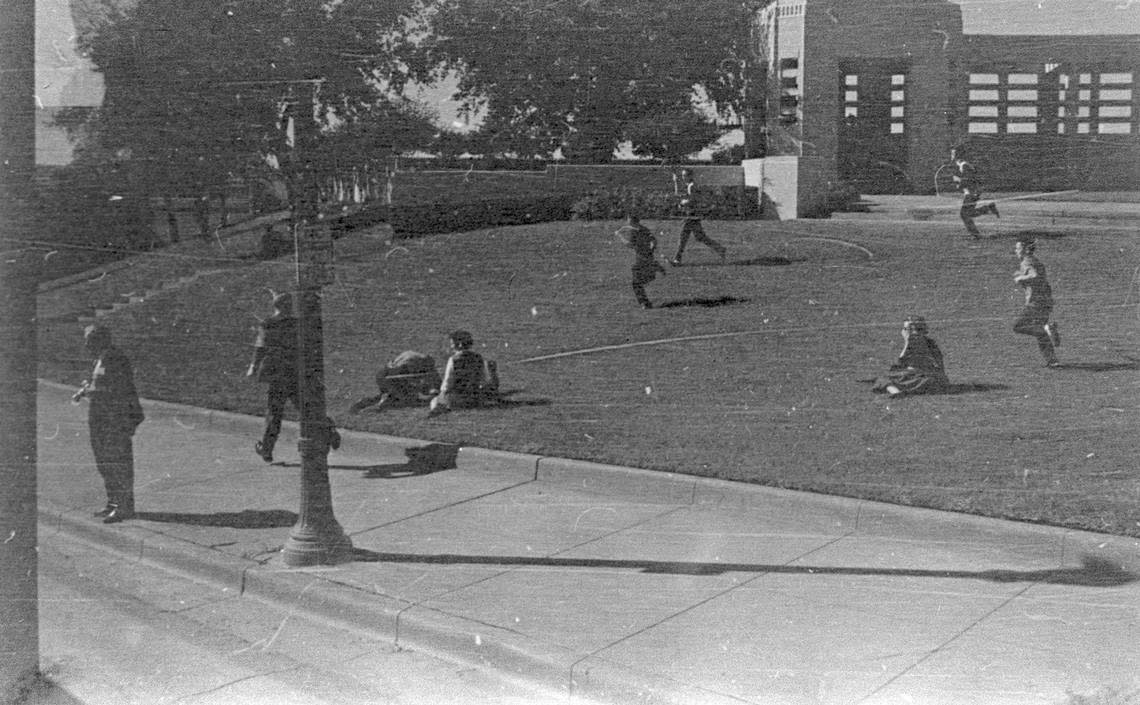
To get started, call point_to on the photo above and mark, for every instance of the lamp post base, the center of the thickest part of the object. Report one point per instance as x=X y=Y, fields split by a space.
x=305 y=547
x=317 y=538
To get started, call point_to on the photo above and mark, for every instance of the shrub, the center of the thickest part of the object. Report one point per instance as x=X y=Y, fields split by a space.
x=445 y=217
x=721 y=203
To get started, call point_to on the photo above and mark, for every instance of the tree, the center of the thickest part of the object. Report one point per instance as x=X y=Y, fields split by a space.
x=671 y=136
x=577 y=75
x=197 y=90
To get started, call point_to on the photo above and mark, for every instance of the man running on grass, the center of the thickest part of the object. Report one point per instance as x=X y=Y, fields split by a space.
x=968 y=181
x=638 y=238
x=1034 y=319
x=690 y=208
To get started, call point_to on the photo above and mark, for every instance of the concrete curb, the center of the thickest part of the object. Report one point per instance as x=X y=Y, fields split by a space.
x=318 y=594
x=858 y=515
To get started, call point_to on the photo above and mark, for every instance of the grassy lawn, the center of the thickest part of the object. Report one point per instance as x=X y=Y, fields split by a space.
x=753 y=370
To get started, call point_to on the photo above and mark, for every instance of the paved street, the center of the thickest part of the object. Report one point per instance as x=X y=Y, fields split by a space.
x=607 y=584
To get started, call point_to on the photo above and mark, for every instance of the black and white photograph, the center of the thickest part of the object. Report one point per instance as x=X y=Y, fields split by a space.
x=570 y=352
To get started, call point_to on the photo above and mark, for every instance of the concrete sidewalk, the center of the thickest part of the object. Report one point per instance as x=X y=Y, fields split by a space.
x=618 y=585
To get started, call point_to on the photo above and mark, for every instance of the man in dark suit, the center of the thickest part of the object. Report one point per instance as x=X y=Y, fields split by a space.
x=275 y=363
x=969 y=182
x=113 y=415
x=691 y=210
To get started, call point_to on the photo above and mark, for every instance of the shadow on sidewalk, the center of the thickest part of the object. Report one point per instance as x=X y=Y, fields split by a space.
x=1093 y=572
x=245 y=519
x=422 y=460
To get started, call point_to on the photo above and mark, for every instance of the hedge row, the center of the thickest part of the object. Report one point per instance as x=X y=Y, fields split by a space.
x=723 y=203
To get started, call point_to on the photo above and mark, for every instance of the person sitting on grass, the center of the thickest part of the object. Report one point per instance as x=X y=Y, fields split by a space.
x=919 y=369
x=411 y=379
x=469 y=381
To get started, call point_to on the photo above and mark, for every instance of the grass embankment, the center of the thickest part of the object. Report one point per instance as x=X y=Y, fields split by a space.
x=755 y=372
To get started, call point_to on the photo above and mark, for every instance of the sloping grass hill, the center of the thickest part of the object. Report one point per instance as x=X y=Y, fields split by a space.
x=753 y=370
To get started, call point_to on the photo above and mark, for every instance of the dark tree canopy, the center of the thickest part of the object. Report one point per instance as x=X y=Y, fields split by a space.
x=575 y=75
x=196 y=89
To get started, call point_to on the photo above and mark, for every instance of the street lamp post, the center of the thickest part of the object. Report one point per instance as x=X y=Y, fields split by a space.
x=317 y=538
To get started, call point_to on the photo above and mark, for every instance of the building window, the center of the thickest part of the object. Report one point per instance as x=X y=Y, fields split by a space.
x=1086 y=79
x=984 y=79
x=1084 y=95
x=1083 y=128
x=983 y=95
x=984 y=128
x=1114 y=128
x=1022 y=78
x=850 y=111
x=1022 y=95
x=851 y=79
x=1082 y=111
x=898 y=96
x=1021 y=128
x=898 y=79
x=897 y=128
x=1061 y=111
x=1116 y=94
x=851 y=96
x=1022 y=111
x=1124 y=77
x=1060 y=128
x=983 y=111
x=1115 y=111
x=897 y=111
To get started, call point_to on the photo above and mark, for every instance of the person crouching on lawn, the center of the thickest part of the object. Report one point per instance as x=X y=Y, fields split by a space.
x=411 y=379
x=469 y=381
x=919 y=369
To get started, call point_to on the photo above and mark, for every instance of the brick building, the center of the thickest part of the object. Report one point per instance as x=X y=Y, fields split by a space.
x=852 y=93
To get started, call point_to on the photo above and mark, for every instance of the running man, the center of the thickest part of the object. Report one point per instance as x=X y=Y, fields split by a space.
x=638 y=238
x=1034 y=319
x=968 y=181
x=690 y=208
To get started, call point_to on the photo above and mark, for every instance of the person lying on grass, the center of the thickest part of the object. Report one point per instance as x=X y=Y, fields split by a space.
x=469 y=381
x=919 y=369
x=410 y=379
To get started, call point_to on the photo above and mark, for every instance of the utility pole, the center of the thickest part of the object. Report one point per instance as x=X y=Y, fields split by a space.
x=317 y=538
x=19 y=609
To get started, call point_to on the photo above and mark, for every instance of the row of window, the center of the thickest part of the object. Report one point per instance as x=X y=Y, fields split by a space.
x=1023 y=103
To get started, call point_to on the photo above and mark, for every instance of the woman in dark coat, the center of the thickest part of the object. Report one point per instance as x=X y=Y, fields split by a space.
x=919 y=369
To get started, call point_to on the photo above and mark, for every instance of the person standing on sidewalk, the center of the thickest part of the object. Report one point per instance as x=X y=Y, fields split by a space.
x=638 y=238
x=968 y=181
x=275 y=363
x=690 y=209
x=1034 y=318
x=113 y=415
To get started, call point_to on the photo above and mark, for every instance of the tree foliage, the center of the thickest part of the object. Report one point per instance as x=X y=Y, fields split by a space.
x=575 y=75
x=197 y=89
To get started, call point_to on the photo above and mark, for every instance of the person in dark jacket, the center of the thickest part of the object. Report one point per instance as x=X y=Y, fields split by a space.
x=113 y=415
x=919 y=368
x=469 y=380
x=969 y=182
x=638 y=238
x=691 y=226
x=410 y=379
x=275 y=363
